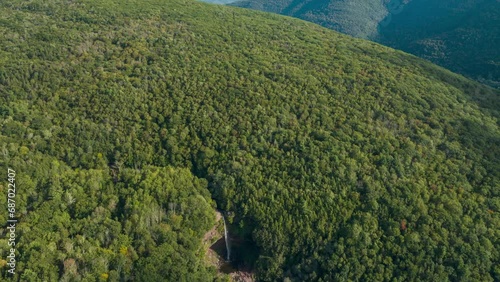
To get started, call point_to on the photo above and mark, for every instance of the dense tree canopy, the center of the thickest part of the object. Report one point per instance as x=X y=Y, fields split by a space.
x=339 y=158
x=358 y=18
x=461 y=35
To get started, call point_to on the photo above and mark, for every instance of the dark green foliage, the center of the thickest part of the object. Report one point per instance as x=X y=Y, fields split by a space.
x=461 y=35
x=340 y=158
x=359 y=18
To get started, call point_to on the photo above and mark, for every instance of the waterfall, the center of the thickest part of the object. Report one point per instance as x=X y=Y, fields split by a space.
x=226 y=238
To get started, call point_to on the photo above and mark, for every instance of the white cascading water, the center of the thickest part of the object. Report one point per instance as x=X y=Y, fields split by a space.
x=226 y=238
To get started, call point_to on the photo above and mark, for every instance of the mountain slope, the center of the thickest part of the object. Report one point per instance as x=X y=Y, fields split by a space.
x=358 y=18
x=459 y=35
x=335 y=158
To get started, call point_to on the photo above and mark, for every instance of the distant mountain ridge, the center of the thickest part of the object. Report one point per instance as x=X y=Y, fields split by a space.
x=357 y=18
x=462 y=36
x=459 y=35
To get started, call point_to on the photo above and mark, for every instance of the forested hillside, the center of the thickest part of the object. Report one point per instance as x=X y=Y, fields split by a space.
x=461 y=35
x=128 y=122
x=358 y=18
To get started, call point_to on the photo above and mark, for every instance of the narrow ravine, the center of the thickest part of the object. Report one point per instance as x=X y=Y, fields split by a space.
x=217 y=242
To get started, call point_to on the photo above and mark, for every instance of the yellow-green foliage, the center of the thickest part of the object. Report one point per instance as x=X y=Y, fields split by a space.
x=337 y=158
